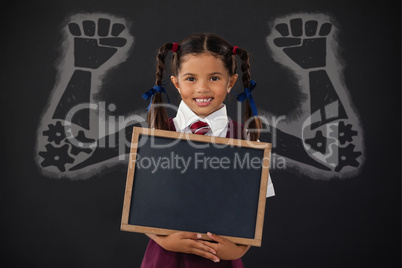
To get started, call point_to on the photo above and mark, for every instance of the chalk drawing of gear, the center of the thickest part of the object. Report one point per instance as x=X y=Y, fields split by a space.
x=344 y=157
x=56 y=156
x=55 y=133
x=344 y=131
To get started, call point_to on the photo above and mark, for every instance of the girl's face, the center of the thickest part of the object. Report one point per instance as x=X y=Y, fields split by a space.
x=203 y=83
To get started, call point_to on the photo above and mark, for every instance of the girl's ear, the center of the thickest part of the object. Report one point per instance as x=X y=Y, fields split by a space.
x=175 y=82
x=232 y=81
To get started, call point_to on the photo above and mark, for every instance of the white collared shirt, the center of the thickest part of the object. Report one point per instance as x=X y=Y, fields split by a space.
x=218 y=122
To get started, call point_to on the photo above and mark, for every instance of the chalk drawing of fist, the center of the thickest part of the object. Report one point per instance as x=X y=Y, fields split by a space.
x=96 y=42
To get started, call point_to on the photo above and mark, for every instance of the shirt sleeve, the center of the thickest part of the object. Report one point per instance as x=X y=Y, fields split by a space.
x=270 y=187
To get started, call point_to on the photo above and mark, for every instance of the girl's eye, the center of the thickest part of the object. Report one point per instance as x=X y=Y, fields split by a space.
x=191 y=79
x=214 y=78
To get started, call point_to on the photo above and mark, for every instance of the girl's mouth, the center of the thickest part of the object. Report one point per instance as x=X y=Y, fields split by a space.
x=203 y=101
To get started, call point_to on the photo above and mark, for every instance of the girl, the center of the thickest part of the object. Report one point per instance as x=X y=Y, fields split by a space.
x=204 y=72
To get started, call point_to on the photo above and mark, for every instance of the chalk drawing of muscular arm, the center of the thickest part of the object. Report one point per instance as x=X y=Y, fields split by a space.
x=326 y=140
x=70 y=136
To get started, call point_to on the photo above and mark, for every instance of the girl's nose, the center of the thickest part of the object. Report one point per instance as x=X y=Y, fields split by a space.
x=202 y=86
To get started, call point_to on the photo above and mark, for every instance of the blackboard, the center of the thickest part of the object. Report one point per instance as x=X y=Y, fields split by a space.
x=195 y=183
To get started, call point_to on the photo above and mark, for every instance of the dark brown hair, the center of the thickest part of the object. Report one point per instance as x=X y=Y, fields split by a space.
x=196 y=44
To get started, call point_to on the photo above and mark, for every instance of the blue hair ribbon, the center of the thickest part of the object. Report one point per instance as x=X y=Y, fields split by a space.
x=152 y=91
x=247 y=95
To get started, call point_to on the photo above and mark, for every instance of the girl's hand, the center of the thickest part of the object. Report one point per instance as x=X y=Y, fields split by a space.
x=185 y=242
x=225 y=249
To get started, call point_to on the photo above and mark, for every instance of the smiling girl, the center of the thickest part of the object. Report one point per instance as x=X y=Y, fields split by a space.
x=204 y=72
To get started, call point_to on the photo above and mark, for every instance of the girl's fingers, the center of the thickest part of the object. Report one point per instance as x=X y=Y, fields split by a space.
x=189 y=242
x=217 y=238
x=206 y=255
x=188 y=235
x=195 y=242
x=205 y=247
x=209 y=244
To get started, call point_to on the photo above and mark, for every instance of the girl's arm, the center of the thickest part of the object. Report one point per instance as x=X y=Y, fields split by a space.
x=225 y=249
x=185 y=242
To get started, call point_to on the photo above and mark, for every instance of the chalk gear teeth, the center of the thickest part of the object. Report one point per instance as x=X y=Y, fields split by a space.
x=56 y=156
x=55 y=133
x=345 y=132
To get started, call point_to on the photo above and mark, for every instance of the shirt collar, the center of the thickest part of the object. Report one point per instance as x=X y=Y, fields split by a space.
x=217 y=121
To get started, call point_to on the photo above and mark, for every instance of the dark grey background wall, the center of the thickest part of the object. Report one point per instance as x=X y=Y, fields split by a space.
x=352 y=222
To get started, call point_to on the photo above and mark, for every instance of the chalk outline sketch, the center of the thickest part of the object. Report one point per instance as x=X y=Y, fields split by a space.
x=329 y=131
x=72 y=127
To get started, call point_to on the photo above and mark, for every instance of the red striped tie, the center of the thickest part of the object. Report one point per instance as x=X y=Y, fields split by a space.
x=199 y=127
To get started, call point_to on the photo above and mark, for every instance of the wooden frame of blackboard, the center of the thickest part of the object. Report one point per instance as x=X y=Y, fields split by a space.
x=256 y=240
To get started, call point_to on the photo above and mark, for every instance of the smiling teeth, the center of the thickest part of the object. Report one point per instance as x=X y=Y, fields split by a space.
x=203 y=100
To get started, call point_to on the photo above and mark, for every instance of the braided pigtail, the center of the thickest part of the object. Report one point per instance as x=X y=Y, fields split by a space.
x=252 y=122
x=157 y=115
